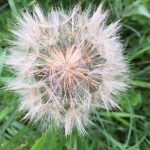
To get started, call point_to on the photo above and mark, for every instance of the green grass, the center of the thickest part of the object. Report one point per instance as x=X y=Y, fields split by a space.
x=125 y=130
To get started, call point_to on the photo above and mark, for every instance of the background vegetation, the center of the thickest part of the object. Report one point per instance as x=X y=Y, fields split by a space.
x=125 y=130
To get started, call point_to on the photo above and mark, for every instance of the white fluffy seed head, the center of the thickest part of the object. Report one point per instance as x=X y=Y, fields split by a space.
x=66 y=65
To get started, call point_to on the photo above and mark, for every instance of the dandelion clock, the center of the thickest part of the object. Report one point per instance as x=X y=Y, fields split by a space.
x=66 y=65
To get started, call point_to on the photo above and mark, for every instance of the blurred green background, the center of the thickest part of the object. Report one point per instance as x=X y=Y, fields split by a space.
x=128 y=129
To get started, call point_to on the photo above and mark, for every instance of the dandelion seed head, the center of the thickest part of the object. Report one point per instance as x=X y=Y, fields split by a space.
x=67 y=64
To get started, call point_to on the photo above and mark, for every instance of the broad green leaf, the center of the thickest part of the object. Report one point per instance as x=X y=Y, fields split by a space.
x=39 y=143
x=13 y=7
x=4 y=113
x=122 y=114
x=138 y=52
x=143 y=11
x=8 y=122
x=112 y=140
x=2 y=58
x=136 y=8
x=142 y=84
x=3 y=7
